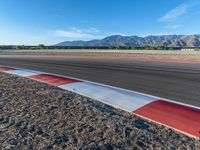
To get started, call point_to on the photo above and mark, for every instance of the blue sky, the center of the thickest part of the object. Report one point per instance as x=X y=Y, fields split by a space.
x=52 y=21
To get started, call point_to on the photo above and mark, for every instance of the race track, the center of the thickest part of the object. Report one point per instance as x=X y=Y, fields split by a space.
x=176 y=81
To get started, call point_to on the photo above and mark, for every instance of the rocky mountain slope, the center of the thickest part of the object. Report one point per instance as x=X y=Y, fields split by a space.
x=118 y=40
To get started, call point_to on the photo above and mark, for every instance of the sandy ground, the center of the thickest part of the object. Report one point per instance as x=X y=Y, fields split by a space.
x=38 y=116
x=152 y=56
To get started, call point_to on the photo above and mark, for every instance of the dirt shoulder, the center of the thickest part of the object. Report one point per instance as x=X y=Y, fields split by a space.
x=174 y=57
x=38 y=116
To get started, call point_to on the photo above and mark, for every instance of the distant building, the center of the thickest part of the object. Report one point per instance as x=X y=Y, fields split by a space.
x=188 y=49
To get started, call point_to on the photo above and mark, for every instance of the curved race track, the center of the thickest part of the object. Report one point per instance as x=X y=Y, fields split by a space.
x=176 y=81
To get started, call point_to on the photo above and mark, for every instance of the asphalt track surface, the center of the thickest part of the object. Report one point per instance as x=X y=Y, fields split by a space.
x=176 y=81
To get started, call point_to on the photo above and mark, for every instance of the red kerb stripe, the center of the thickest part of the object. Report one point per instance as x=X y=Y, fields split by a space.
x=180 y=117
x=6 y=69
x=52 y=79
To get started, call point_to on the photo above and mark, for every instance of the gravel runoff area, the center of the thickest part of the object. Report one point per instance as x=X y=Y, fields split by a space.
x=123 y=54
x=34 y=116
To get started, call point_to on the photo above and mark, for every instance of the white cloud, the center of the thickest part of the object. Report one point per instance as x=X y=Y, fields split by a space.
x=179 y=11
x=175 y=13
x=72 y=34
x=92 y=30
x=78 y=34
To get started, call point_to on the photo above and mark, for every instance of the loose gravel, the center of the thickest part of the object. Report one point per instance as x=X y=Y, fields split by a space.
x=34 y=116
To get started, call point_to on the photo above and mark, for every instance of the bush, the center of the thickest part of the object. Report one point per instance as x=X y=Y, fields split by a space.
x=19 y=47
x=41 y=46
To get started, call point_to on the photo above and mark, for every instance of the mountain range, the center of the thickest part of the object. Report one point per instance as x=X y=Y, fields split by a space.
x=118 y=40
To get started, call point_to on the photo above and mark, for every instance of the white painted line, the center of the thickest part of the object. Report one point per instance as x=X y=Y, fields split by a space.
x=123 y=99
x=23 y=72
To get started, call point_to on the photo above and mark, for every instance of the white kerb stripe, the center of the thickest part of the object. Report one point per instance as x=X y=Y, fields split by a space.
x=23 y=72
x=123 y=99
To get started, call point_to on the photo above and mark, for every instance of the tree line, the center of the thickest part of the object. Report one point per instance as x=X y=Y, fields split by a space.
x=147 y=47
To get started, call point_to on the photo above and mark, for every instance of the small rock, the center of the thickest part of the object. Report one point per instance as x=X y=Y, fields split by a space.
x=13 y=141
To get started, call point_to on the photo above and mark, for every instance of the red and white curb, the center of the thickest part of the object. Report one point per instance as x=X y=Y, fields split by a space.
x=179 y=116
